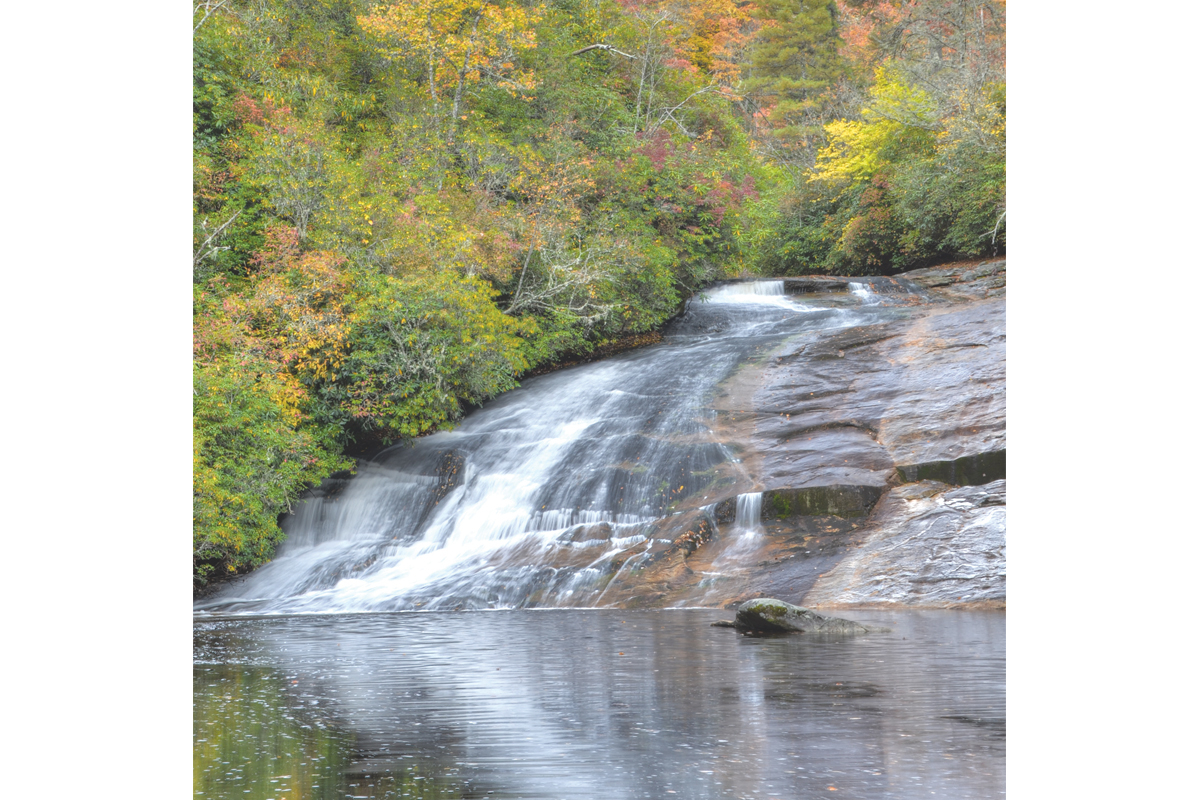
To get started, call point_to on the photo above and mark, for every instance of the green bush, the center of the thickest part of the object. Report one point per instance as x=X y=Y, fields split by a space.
x=251 y=460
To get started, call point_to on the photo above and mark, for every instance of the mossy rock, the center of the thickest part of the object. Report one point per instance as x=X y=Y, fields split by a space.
x=820 y=501
x=767 y=615
x=809 y=285
x=973 y=470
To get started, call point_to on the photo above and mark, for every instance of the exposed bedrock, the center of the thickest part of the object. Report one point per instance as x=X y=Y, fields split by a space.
x=702 y=558
x=929 y=545
x=782 y=504
x=956 y=283
x=844 y=447
x=914 y=392
x=884 y=420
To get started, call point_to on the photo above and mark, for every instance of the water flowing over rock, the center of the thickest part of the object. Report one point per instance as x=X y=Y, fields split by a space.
x=814 y=440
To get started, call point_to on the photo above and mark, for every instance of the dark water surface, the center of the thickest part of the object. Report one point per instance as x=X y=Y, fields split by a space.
x=598 y=704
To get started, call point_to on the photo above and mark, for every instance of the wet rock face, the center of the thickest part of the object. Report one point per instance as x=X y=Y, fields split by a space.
x=847 y=502
x=816 y=283
x=695 y=560
x=850 y=408
x=858 y=439
x=974 y=282
x=449 y=472
x=886 y=420
x=967 y=470
x=844 y=448
x=768 y=615
x=929 y=545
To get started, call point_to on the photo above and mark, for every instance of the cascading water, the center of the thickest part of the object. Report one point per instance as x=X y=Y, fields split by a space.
x=762 y=288
x=748 y=512
x=548 y=493
x=742 y=541
x=864 y=292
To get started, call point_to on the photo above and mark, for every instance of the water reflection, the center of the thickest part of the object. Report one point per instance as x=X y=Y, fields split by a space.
x=590 y=704
x=249 y=739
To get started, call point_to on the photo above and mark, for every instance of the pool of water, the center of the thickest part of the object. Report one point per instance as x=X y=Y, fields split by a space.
x=596 y=704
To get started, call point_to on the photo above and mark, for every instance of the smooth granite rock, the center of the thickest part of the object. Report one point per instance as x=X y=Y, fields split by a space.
x=850 y=408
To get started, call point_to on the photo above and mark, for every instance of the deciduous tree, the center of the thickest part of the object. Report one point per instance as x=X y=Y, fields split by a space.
x=454 y=43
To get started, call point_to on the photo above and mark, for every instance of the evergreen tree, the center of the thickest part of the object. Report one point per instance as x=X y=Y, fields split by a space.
x=790 y=80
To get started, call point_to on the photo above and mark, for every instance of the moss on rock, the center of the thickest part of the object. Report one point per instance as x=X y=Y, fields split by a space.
x=768 y=615
x=814 y=501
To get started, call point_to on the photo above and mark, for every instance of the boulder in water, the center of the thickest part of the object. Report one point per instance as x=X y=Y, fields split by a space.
x=768 y=615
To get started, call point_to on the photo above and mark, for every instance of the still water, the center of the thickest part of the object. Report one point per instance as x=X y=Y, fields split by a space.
x=598 y=705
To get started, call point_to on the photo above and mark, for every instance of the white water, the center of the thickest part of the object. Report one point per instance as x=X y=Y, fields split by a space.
x=757 y=288
x=863 y=291
x=556 y=479
x=748 y=513
x=743 y=540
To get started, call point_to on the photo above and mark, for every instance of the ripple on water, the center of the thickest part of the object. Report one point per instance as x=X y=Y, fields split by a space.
x=599 y=703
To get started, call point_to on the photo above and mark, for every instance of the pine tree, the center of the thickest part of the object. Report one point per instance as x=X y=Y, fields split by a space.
x=794 y=67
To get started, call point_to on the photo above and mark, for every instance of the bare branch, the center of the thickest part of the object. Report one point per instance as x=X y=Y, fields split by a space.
x=210 y=8
x=204 y=251
x=569 y=272
x=996 y=230
x=665 y=114
x=500 y=79
x=607 y=47
x=908 y=121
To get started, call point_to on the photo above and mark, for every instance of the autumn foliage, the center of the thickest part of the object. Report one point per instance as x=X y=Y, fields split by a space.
x=402 y=208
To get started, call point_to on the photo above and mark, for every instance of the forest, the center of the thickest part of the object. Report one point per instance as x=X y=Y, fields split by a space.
x=401 y=209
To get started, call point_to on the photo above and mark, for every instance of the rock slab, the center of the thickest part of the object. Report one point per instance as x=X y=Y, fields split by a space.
x=930 y=546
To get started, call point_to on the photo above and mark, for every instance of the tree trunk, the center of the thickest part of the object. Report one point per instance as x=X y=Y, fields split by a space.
x=462 y=76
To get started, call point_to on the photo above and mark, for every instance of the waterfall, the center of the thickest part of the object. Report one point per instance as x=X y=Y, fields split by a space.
x=548 y=494
x=760 y=288
x=864 y=292
x=748 y=513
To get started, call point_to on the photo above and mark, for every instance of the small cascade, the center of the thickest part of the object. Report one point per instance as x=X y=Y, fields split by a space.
x=864 y=292
x=747 y=533
x=759 y=288
x=738 y=550
x=748 y=515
